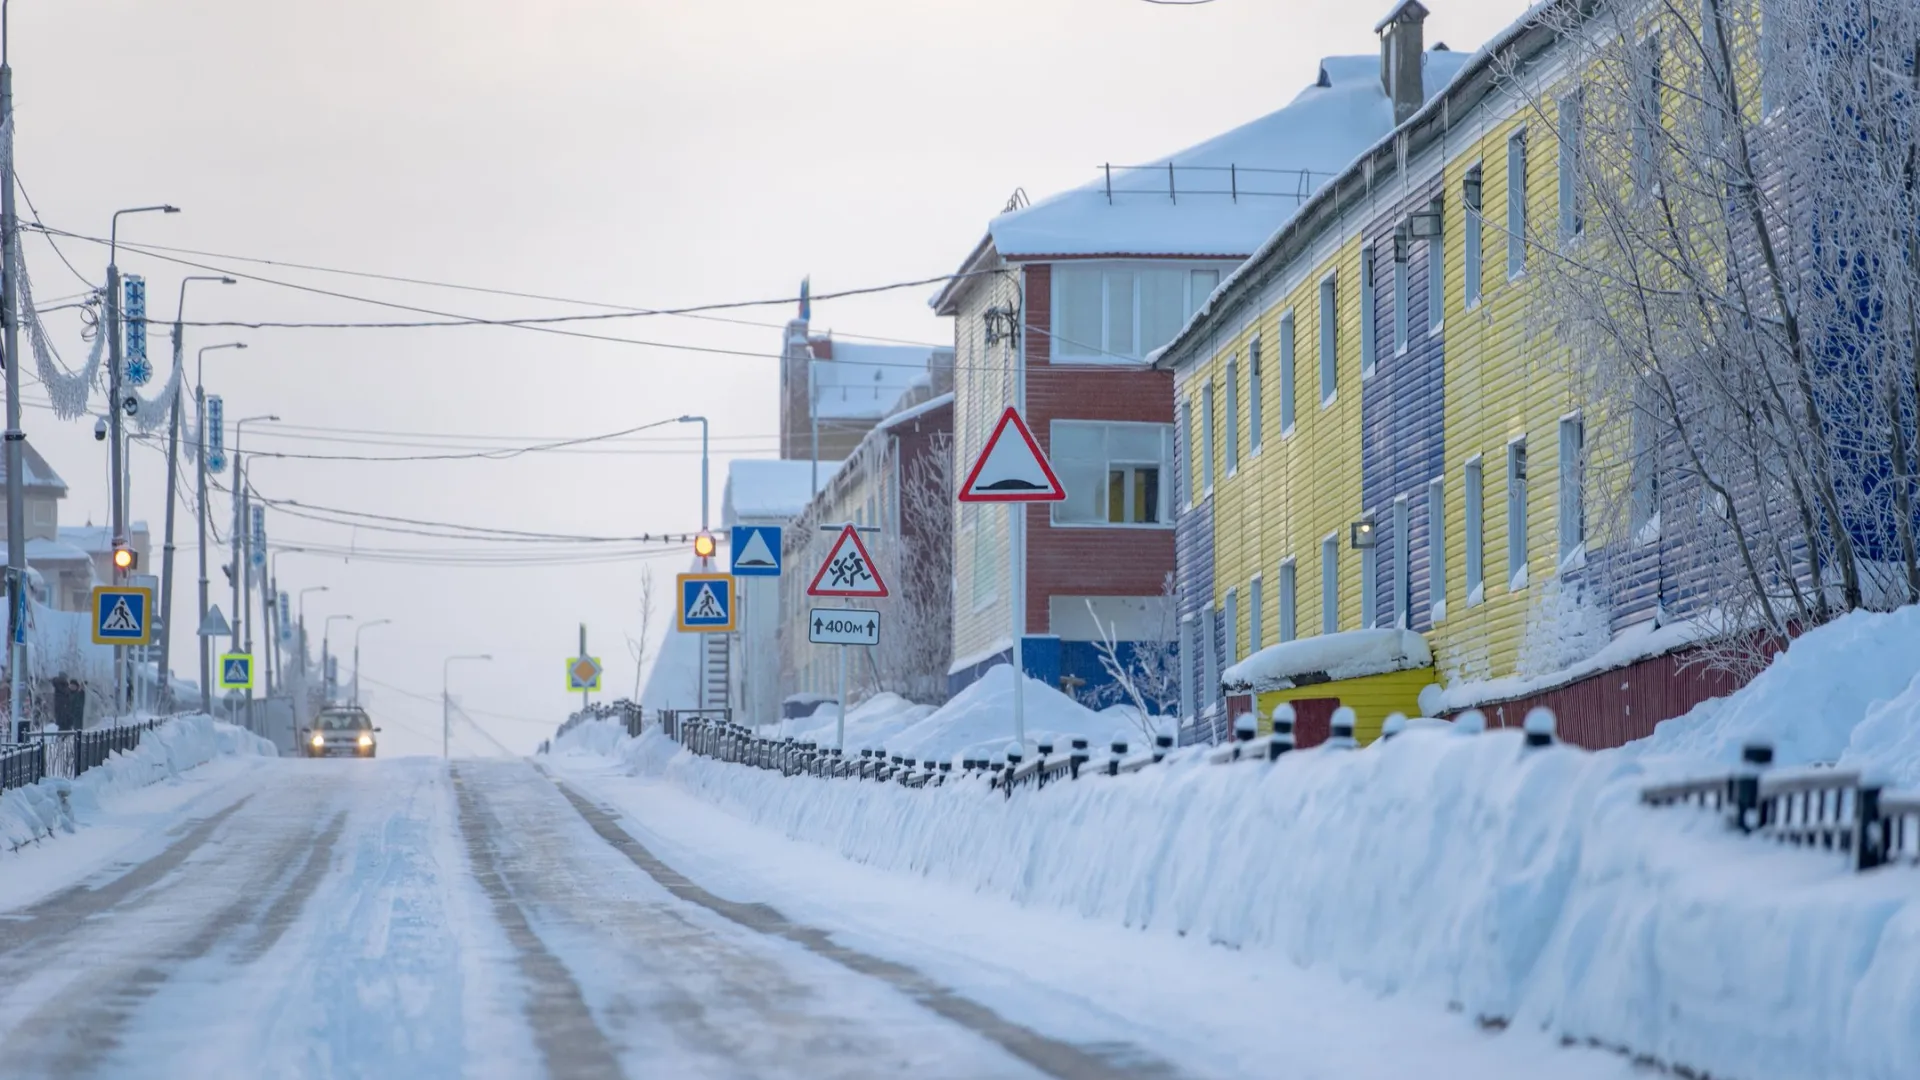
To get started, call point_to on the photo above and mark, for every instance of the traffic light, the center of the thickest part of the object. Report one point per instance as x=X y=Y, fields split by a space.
x=703 y=545
x=124 y=558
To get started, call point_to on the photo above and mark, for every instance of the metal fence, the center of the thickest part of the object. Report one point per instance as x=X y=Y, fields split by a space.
x=1831 y=809
x=626 y=712
x=67 y=754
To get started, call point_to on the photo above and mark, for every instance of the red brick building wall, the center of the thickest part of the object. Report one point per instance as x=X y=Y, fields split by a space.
x=1087 y=561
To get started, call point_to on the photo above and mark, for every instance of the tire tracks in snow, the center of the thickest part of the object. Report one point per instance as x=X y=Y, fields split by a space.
x=1055 y=1058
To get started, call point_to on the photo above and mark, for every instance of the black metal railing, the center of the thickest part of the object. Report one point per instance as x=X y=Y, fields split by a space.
x=1831 y=809
x=67 y=754
x=21 y=765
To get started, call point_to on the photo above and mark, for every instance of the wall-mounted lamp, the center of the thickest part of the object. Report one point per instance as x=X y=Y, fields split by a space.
x=1363 y=534
x=1425 y=225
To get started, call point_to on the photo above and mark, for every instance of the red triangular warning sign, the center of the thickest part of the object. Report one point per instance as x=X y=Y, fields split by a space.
x=849 y=570
x=1010 y=469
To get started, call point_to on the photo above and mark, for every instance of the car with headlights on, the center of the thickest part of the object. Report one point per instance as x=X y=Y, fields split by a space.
x=341 y=731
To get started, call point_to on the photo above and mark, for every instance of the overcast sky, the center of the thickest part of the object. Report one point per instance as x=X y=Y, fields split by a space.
x=633 y=152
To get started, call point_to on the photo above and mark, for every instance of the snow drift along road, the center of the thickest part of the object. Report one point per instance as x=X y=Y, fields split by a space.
x=31 y=813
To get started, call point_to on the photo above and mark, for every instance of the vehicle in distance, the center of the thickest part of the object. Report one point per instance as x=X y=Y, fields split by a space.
x=341 y=731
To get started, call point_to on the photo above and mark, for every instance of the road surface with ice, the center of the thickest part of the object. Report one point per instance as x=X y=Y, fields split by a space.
x=403 y=918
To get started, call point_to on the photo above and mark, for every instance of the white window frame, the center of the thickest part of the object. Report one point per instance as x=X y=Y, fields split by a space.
x=1516 y=204
x=1188 y=485
x=1253 y=397
x=1289 y=609
x=1436 y=274
x=1209 y=656
x=1233 y=415
x=1474 y=491
x=1329 y=340
x=1369 y=335
x=1519 y=472
x=1370 y=584
x=1163 y=513
x=1437 y=549
x=1402 y=292
x=1645 y=479
x=1189 y=706
x=1402 y=564
x=1206 y=433
x=1573 y=498
x=1230 y=609
x=1330 y=584
x=1256 y=638
x=1472 y=233
x=1287 y=371
x=1193 y=290
x=1573 y=124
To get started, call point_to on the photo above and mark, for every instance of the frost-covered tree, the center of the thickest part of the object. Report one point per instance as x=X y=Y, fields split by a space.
x=1733 y=278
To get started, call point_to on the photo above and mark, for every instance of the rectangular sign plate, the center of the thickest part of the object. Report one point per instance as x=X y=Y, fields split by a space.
x=843 y=626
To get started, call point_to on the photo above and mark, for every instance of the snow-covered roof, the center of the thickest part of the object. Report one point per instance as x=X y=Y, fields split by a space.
x=52 y=551
x=1282 y=156
x=907 y=416
x=36 y=474
x=1350 y=654
x=96 y=538
x=866 y=382
x=761 y=489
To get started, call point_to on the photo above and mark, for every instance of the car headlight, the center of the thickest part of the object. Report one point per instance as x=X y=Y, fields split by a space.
x=319 y=740
x=366 y=741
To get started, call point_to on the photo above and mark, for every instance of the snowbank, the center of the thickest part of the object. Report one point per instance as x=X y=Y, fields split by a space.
x=873 y=722
x=602 y=737
x=31 y=813
x=1351 y=654
x=978 y=722
x=1848 y=692
x=1523 y=885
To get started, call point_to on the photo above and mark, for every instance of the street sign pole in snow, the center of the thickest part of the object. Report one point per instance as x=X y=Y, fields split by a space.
x=843 y=626
x=848 y=573
x=1012 y=469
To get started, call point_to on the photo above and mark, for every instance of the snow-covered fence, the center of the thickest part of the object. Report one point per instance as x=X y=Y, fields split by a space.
x=1832 y=809
x=623 y=710
x=67 y=754
x=21 y=765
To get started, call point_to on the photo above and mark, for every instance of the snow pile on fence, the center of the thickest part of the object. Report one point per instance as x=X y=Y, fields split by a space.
x=34 y=812
x=871 y=723
x=1847 y=693
x=1525 y=885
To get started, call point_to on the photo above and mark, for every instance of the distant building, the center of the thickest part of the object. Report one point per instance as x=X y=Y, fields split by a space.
x=759 y=492
x=832 y=392
x=65 y=562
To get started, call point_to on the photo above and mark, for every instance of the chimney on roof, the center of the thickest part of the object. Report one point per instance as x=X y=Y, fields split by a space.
x=1401 y=46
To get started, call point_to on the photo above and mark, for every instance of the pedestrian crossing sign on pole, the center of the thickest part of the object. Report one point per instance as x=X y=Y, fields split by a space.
x=236 y=671
x=705 y=603
x=122 y=615
x=583 y=674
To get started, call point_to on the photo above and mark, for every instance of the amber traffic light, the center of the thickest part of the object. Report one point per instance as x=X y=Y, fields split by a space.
x=125 y=559
x=703 y=545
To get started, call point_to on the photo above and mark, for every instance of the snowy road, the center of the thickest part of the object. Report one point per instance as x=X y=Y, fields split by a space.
x=395 y=918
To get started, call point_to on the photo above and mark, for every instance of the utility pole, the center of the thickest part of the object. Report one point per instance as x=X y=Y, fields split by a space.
x=206 y=447
x=173 y=472
x=16 y=438
x=583 y=654
x=1017 y=525
x=242 y=552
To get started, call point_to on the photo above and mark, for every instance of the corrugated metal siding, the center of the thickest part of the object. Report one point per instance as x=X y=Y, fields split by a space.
x=1616 y=707
x=1403 y=422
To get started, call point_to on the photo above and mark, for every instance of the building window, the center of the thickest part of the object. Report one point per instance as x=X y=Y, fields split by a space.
x=1286 y=374
x=1470 y=232
x=1647 y=120
x=1573 y=500
x=1402 y=564
x=1475 y=491
x=1367 y=313
x=1233 y=416
x=1436 y=549
x=1516 y=204
x=1645 y=479
x=43 y=512
x=1369 y=585
x=1189 y=654
x=1231 y=654
x=1122 y=312
x=1256 y=640
x=1186 y=432
x=1572 y=148
x=1401 y=289
x=1112 y=472
x=1517 y=514
x=1329 y=340
x=1206 y=438
x=1436 y=275
x=1253 y=396
x=1330 y=585
x=1289 y=601
x=1209 y=657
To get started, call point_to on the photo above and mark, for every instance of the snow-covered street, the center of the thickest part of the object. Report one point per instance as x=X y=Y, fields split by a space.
x=406 y=918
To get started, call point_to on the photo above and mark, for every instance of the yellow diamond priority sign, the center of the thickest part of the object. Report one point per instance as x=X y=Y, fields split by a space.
x=583 y=673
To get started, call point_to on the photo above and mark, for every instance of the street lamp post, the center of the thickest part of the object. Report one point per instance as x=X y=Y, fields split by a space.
x=300 y=643
x=116 y=452
x=242 y=552
x=702 y=421
x=173 y=472
x=357 y=631
x=200 y=409
x=326 y=657
x=446 y=700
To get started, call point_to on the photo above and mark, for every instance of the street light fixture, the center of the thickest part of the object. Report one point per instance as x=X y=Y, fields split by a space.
x=200 y=411
x=446 y=701
x=357 y=631
x=702 y=421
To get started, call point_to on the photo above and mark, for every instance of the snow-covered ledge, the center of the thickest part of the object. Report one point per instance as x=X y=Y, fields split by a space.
x=1350 y=654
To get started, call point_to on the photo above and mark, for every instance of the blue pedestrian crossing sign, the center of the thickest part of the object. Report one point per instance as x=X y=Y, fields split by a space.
x=756 y=550
x=236 y=671
x=706 y=603
x=122 y=615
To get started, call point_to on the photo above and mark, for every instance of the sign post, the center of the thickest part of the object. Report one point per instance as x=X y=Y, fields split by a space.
x=1014 y=471
x=848 y=573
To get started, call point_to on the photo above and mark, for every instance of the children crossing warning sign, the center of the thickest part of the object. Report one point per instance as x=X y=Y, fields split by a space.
x=849 y=570
x=1012 y=468
x=706 y=603
x=122 y=615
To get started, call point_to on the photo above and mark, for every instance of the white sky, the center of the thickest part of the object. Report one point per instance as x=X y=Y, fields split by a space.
x=636 y=152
